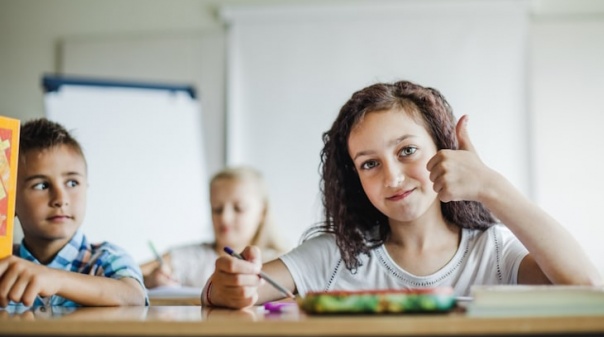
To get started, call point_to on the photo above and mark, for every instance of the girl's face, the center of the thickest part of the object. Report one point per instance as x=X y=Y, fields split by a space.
x=390 y=151
x=237 y=211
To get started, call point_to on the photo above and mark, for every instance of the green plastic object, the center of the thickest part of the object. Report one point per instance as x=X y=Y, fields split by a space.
x=416 y=300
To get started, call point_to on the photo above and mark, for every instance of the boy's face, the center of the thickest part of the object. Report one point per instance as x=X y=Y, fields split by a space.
x=51 y=194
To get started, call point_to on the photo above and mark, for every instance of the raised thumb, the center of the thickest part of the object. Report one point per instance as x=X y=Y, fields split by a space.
x=463 y=137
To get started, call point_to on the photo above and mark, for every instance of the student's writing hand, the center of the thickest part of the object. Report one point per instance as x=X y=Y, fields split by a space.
x=160 y=276
x=235 y=282
x=21 y=281
x=460 y=174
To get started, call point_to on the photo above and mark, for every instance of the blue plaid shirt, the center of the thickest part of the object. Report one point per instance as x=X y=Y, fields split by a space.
x=80 y=256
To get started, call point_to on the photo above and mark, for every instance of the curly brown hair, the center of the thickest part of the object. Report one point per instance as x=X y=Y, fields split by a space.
x=359 y=226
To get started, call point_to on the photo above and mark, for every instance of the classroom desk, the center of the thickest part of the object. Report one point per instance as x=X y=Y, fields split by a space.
x=198 y=321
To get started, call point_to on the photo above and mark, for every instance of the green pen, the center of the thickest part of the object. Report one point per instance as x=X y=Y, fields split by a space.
x=158 y=257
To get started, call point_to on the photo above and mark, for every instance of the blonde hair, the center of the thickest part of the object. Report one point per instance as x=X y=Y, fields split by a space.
x=266 y=236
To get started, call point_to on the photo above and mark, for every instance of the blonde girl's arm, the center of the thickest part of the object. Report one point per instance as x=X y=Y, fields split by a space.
x=156 y=274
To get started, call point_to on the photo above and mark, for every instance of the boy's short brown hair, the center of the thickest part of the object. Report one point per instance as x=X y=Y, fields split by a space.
x=42 y=134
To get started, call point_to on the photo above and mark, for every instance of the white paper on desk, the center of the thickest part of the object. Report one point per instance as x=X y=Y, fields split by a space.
x=174 y=292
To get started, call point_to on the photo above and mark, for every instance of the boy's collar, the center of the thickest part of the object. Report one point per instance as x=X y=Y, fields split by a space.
x=68 y=253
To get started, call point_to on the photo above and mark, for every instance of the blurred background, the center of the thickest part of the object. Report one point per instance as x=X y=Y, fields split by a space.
x=272 y=75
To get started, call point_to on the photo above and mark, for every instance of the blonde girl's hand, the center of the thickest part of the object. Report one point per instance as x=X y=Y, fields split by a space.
x=235 y=282
x=460 y=174
x=160 y=276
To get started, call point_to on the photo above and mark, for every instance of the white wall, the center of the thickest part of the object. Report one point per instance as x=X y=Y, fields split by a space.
x=567 y=81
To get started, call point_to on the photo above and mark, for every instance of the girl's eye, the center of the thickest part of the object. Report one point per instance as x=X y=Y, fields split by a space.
x=217 y=210
x=407 y=151
x=240 y=208
x=369 y=165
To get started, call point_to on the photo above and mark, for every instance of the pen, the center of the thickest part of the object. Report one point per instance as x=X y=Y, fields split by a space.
x=279 y=287
x=156 y=254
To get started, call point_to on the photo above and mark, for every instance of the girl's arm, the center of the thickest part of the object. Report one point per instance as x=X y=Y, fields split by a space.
x=554 y=255
x=235 y=283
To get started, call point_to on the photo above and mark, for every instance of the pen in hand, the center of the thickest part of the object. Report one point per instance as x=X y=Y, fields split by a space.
x=277 y=286
x=158 y=257
x=161 y=263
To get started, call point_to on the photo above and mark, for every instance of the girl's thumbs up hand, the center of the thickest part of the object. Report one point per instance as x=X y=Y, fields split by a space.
x=463 y=137
x=460 y=174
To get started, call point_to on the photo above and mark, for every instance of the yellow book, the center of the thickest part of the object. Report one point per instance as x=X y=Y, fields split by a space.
x=9 y=157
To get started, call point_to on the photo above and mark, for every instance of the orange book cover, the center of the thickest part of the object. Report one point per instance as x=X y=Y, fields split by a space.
x=9 y=156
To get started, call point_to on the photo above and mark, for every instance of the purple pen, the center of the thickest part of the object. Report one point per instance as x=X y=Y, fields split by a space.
x=280 y=306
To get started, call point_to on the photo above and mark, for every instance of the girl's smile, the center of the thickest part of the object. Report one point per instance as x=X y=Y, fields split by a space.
x=400 y=195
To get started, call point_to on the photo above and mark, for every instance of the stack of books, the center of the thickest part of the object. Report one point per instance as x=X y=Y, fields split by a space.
x=536 y=300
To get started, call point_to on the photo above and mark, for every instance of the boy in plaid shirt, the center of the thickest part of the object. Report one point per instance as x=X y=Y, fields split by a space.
x=55 y=264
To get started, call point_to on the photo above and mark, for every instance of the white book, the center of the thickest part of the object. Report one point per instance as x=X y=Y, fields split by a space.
x=173 y=292
x=536 y=300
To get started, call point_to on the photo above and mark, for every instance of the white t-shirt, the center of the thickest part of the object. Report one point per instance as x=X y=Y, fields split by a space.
x=193 y=264
x=483 y=257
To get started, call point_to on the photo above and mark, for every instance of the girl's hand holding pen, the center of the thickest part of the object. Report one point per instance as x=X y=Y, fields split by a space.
x=235 y=282
x=263 y=275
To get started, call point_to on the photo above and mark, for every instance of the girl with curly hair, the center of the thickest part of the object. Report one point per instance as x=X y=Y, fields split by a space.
x=409 y=204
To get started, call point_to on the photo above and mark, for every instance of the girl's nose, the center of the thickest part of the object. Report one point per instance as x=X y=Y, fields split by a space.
x=394 y=177
x=395 y=182
x=227 y=215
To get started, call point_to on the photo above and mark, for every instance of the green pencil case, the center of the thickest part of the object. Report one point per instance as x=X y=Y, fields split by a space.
x=415 y=300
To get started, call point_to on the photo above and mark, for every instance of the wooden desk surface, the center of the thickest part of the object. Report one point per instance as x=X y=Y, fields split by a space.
x=198 y=321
